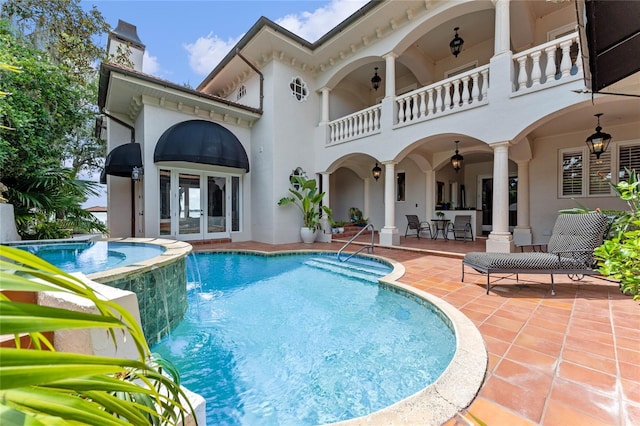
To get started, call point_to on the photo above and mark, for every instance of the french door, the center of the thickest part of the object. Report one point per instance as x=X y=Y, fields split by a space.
x=198 y=205
x=485 y=199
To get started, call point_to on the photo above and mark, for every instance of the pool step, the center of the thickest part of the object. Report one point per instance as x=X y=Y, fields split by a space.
x=351 y=268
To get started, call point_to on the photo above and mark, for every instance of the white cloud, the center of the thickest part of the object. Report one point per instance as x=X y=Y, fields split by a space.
x=150 y=64
x=313 y=25
x=207 y=52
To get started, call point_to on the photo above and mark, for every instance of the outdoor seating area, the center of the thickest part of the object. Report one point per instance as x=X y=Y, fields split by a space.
x=416 y=225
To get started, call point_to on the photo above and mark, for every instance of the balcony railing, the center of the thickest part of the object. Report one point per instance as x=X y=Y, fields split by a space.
x=359 y=124
x=547 y=65
x=551 y=63
x=463 y=91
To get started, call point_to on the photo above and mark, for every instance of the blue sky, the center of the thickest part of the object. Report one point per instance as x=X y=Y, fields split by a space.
x=185 y=40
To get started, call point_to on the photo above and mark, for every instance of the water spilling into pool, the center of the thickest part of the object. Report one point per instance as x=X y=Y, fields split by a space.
x=298 y=340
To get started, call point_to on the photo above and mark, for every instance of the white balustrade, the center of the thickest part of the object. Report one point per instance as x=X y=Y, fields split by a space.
x=462 y=91
x=549 y=63
x=359 y=124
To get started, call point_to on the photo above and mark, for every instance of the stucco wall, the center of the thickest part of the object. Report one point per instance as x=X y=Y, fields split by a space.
x=293 y=140
x=545 y=169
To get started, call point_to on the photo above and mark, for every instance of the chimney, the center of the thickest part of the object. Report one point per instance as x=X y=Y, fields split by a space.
x=126 y=35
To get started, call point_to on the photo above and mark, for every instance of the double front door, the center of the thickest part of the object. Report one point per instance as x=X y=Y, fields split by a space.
x=198 y=206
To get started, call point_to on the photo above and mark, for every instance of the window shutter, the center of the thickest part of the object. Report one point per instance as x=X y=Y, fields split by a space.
x=571 y=173
x=629 y=158
x=600 y=174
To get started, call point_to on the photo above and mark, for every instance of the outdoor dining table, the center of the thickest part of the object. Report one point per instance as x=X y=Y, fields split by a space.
x=441 y=226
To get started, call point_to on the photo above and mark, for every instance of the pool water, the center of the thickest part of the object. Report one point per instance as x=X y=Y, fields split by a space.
x=93 y=256
x=293 y=340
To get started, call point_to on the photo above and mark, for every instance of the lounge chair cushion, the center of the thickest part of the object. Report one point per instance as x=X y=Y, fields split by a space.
x=520 y=262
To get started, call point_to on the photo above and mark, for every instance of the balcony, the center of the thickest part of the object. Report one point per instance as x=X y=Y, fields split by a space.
x=543 y=67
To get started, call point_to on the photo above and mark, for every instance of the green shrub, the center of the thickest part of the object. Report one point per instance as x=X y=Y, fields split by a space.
x=619 y=255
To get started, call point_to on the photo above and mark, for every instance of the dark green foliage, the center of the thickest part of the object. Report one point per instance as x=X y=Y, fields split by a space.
x=619 y=256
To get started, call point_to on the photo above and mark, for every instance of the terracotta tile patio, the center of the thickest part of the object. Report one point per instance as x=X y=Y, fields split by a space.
x=569 y=359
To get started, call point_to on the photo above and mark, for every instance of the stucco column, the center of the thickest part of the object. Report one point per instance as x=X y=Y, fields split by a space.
x=390 y=75
x=500 y=238
x=389 y=235
x=522 y=231
x=325 y=105
x=388 y=105
x=366 y=209
x=503 y=35
x=430 y=196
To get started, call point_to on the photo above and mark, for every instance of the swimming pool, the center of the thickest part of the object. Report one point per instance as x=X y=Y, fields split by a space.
x=289 y=340
x=93 y=256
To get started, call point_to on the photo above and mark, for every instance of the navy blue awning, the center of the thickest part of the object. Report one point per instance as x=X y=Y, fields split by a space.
x=122 y=159
x=202 y=142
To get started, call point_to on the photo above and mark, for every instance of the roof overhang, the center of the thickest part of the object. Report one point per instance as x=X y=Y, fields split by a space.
x=610 y=30
x=123 y=91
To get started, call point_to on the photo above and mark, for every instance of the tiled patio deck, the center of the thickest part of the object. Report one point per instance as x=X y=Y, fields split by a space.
x=570 y=359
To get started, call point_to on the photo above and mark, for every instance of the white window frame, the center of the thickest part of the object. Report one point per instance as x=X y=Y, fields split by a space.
x=615 y=166
x=561 y=31
x=561 y=152
x=614 y=149
x=461 y=69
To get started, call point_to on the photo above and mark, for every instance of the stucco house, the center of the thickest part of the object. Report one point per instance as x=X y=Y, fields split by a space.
x=385 y=88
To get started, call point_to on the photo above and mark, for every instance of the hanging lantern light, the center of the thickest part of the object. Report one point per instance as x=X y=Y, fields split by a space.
x=375 y=80
x=456 y=43
x=599 y=141
x=456 y=159
x=376 y=171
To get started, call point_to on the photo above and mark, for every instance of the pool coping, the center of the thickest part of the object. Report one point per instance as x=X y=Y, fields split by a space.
x=456 y=387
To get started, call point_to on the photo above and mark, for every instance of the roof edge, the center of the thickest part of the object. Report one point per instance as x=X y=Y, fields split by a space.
x=266 y=22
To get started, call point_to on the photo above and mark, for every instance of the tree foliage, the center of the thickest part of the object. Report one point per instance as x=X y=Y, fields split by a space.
x=63 y=30
x=39 y=114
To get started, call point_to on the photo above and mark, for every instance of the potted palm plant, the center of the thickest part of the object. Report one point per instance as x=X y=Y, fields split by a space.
x=305 y=196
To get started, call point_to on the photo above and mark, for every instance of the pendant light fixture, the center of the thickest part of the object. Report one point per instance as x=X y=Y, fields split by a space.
x=456 y=159
x=375 y=80
x=456 y=43
x=599 y=141
x=376 y=171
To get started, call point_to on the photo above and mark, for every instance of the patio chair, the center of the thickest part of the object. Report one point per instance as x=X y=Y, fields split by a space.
x=415 y=224
x=461 y=228
x=569 y=251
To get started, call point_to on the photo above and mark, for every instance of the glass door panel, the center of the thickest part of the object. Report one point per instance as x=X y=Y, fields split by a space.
x=165 y=202
x=189 y=204
x=216 y=204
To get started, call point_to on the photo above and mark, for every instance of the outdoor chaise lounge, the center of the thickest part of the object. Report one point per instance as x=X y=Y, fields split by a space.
x=569 y=251
x=413 y=223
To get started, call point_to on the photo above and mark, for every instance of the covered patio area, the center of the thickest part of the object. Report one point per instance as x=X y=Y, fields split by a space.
x=570 y=359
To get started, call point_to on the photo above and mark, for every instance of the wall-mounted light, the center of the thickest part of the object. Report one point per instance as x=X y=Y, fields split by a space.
x=456 y=159
x=375 y=80
x=376 y=171
x=136 y=173
x=599 y=141
x=456 y=43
